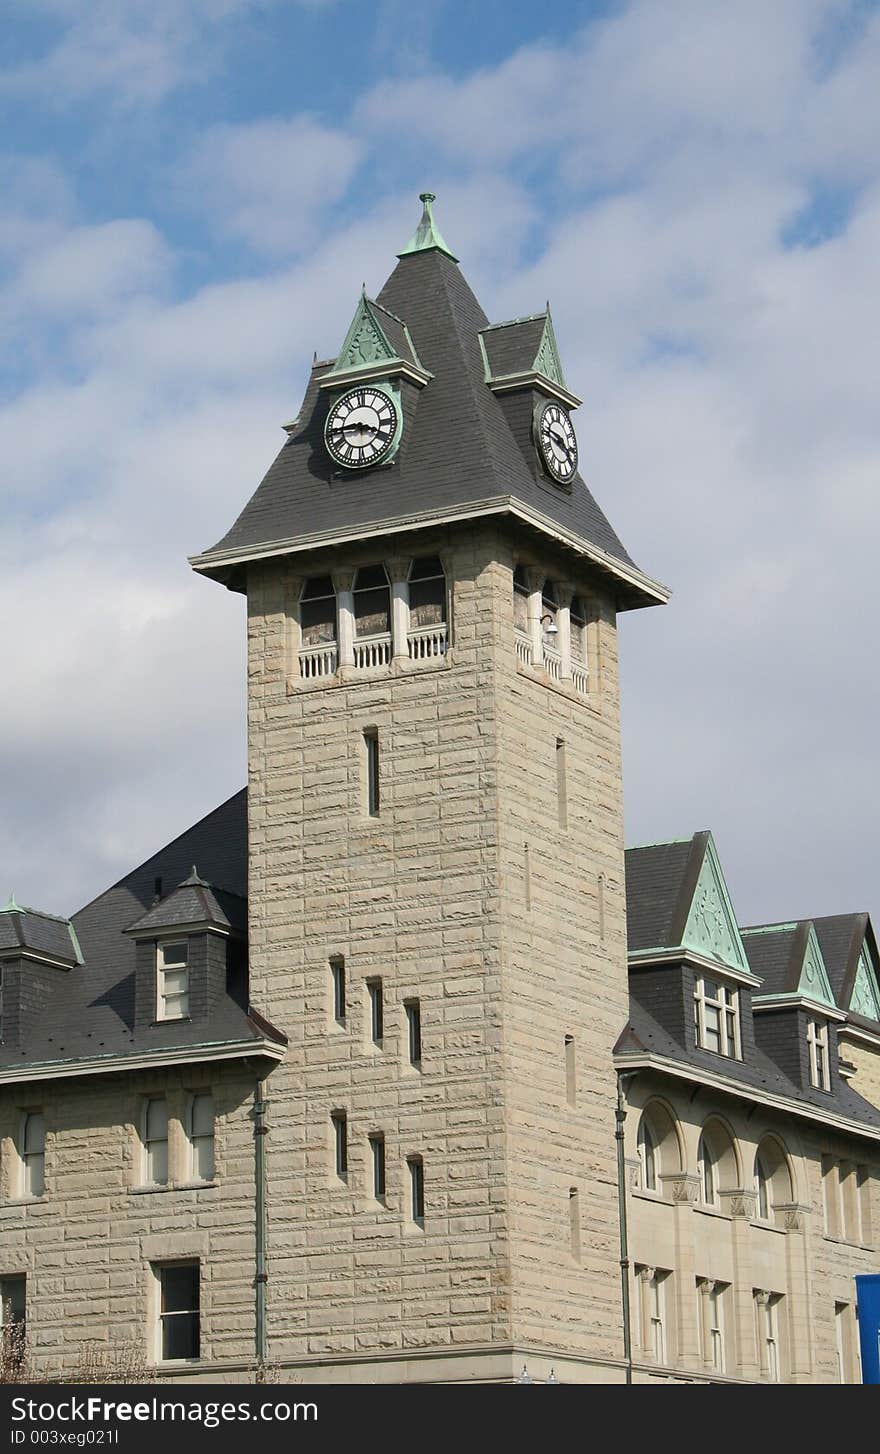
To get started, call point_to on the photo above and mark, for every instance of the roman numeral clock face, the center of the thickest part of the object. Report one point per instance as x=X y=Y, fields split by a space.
x=557 y=443
x=360 y=428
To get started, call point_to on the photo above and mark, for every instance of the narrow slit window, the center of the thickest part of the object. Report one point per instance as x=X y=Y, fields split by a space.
x=578 y=618
x=337 y=975
x=339 y=1121
x=416 y=1189
x=371 y=755
x=414 y=1032
x=200 y=1121
x=574 y=1222
x=377 y=1154
x=561 y=784
x=570 y=1071
x=156 y=1143
x=173 y=976
x=33 y=1154
x=377 y=1011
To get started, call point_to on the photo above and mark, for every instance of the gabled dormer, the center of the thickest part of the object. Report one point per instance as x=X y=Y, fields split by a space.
x=190 y=955
x=688 y=966
x=523 y=368
x=35 y=948
x=796 y=1015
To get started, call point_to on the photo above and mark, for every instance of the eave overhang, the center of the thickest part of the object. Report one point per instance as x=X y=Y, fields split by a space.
x=649 y=958
x=641 y=590
x=794 y=1001
x=699 y=1076
x=389 y=368
x=167 y=1056
x=508 y=382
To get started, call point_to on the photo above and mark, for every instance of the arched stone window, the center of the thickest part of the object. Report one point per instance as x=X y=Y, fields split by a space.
x=317 y=612
x=372 y=602
x=648 y=1157
x=658 y=1147
x=427 y=592
x=774 y=1185
x=716 y=1164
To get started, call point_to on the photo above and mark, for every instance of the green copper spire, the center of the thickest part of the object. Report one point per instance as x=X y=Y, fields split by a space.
x=427 y=234
x=12 y=907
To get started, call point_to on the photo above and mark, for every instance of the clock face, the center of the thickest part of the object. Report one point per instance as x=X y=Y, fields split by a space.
x=360 y=427
x=557 y=442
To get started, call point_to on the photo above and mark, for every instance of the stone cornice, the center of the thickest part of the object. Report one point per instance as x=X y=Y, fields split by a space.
x=143 y=1060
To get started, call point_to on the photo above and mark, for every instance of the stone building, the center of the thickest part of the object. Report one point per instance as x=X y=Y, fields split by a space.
x=333 y=1080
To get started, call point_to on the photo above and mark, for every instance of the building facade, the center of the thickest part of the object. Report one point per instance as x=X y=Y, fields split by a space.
x=331 y=1083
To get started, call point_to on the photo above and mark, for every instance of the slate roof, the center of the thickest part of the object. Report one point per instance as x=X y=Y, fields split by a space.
x=92 y=1010
x=840 y=939
x=457 y=449
x=43 y=934
x=657 y=899
x=511 y=347
x=776 y=956
x=195 y=901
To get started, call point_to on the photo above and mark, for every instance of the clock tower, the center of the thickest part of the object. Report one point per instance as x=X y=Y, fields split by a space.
x=436 y=894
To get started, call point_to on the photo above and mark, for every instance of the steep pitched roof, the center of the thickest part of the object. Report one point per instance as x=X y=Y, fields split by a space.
x=458 y=454
x=676 y=897
x=44 y=935
x=195 y=901
x=849 y=948
x=788 y=959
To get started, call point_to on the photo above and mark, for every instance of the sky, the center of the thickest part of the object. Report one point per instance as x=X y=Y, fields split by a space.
x=191 y=194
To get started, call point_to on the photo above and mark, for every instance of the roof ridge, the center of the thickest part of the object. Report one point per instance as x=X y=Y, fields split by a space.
x=511 y=322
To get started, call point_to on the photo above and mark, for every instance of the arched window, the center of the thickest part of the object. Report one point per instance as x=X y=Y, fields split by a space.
x=762 y=1188
x=155 y=1142
x=521 y=599
x=578 y=615
x=706 y=1173
x=317 y=612
x=648 y=1158
x=33 y=1154
x=372 y=602
x=427 y=592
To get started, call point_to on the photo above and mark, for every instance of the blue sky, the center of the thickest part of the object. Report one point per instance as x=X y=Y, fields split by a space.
x=194 y=191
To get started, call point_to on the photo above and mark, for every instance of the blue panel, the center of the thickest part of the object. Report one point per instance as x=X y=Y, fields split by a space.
x=868 y=1294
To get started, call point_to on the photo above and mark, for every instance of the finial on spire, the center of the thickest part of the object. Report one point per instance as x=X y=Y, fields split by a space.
x=12 y=907
x=427 y=235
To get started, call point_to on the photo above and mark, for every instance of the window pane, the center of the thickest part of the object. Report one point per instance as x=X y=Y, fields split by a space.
x=203 y=1116
x=157 y=1162
x=203 y=1158
x=180 y=1336
x=427 y=602
x=33 y=1174
x=34 y=1133
x=426 y=567
x=157 y=1120
x=175 y=981
x=180 y=1288
x=318 y=621
x=317 y=587
x=173 y=954
x=372 y=611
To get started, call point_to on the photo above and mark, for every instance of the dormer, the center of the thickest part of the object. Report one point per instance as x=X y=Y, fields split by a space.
x=35 y=948
x=849 y=947
x=796 y=1016
x=688 y=966
x=191 y=953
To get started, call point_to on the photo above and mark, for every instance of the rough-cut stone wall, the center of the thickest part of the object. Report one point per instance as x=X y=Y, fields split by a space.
x=87 y=1245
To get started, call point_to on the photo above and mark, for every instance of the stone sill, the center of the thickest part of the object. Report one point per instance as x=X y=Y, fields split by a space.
x=842 y=1242
x=26 y=1201
x=712 y=1212
x=142 y=1191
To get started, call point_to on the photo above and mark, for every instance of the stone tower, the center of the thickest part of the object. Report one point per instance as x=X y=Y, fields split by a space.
x=436 y=895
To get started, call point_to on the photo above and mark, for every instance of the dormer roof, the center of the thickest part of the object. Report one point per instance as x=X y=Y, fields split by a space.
x=677 y=901
x=32 y=933
x=195 y=903
x=788 y=960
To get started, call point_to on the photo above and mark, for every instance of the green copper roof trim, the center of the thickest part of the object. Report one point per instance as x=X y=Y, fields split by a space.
x=547 y=360
x=865 y=996
x=427 y=234
x=770 y=929
x=814 y=983
x=77 y=951
x=365 y=342
x=12 y=907
x=711 y=928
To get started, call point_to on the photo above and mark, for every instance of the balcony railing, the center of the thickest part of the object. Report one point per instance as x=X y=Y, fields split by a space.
x=370 y=651
x=552 y=663
x=523 y=648
x=427 y=641
x=318 y=661
x=579 y=678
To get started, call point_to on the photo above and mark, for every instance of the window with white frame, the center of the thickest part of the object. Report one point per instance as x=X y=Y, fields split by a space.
x=716 y=1017
x=200 y=1134
x=769 y=1351
x=848 y=1370
x=817 y=1043
x=33 y=1154
x=178 y=1331
x=155 y=1142
x=762 y=1188
x=172 y=976
x=706 y=1171
x=647 y=1152
x=651 y=1312
x=711 y=1298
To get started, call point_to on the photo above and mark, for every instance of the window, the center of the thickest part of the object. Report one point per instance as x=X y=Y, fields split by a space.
x=155 y=1141
x=372 y=602
x=414 y=1032
x=178 y=1310
x=651 y=1312
x=377 y=1011
x=33 y=1154
x=847 y=1344
x=416 y=1189
x=337 y=976
x=574 y=1222
x=817 y=1043
x=521 y=600
x=427 y=593
x=762 y=1188
x=716 y=1017
x=339 y=1121
x=561 y=785
x=371 y=757
x=200 y=1131
x=377 y=1153
x=317 y=612
x=706 y=1174
x=830 y=1196
x=647 y=1149
x=570 y=1070
x=769 y=1353
x=849 y=1202
x=173 y=976
x=13 y=1310
x=578 y=616
x=711 y=1300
